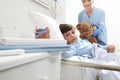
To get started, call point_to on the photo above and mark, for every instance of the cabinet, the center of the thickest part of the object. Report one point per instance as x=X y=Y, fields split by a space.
x=37 y=66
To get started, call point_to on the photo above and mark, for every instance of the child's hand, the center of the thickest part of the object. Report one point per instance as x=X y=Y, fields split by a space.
x=45 y=33
x=110 y=48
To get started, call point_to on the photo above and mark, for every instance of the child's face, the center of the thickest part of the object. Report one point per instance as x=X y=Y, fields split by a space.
x=70 y=36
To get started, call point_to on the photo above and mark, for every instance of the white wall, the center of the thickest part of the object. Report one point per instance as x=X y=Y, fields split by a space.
x=18 y=9
x=61 y=11
x=111 y=8
x=67 y=12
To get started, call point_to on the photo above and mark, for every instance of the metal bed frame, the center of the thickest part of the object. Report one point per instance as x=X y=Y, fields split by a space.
x=91 y=65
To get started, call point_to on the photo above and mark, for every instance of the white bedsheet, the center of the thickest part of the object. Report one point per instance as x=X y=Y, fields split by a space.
x=108 y=60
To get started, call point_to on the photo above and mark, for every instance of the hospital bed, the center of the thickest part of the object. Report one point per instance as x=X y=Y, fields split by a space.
x=90 y=65
x=72 y=69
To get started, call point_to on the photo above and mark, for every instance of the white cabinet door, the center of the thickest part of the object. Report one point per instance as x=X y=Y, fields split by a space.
x=42 y=69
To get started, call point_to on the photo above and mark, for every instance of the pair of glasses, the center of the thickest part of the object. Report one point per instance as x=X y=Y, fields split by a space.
x=86 y=1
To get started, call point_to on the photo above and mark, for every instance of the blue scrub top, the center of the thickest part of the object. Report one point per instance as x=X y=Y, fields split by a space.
x=97 y=18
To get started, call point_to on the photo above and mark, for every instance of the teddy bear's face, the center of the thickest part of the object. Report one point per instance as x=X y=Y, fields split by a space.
x=86 y=31
x=84 y=27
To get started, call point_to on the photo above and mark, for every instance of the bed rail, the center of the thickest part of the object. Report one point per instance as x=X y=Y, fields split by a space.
x=91 y=65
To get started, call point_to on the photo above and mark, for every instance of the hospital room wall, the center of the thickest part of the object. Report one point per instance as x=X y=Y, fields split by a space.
x=112 y=18
x=17 y=11
x=64 y=13
x=72 y=8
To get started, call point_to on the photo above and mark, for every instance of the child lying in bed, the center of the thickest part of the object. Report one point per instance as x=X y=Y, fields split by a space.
x=85 y=48
x=79 y=47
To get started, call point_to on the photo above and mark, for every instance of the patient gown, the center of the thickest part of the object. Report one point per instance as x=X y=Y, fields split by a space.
x=99 y=55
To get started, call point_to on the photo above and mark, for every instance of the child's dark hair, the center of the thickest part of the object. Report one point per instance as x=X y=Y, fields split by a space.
x=65 y=27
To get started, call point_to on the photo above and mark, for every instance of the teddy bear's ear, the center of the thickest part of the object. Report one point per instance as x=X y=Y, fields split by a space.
x=78 y=26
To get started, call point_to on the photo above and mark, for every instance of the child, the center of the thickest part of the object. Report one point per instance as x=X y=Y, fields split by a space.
x=78 y=47
x=86 y=49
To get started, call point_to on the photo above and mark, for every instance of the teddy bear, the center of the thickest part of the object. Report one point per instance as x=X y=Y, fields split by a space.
x=86 y=31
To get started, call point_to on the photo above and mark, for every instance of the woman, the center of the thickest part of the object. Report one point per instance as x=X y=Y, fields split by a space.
x=95 y=17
